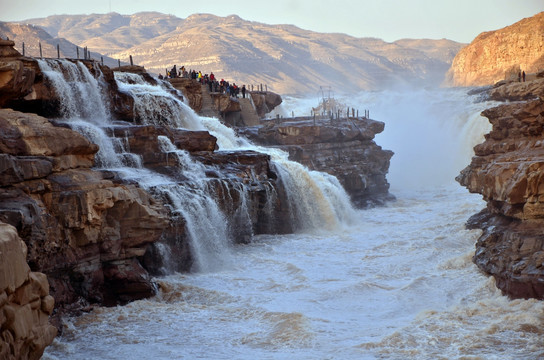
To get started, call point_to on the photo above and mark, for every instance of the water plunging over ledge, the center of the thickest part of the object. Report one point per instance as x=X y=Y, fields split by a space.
x=315 y=200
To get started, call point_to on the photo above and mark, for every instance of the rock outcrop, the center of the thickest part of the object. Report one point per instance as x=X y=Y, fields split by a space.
x=225 y=106
x=343 y=147
x=501 y=54
x=25 y=303
x=508 y=170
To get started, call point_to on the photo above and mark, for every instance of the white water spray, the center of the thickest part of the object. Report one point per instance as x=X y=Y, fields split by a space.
x=431 y=131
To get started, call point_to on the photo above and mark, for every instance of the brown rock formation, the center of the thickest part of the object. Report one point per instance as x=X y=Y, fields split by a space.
x=500 y=54
x=80 y=227
x=508 y=170
x=265 y=101
x=227 y=107
x=344 y=148
x=25 y=303
x=86 y=229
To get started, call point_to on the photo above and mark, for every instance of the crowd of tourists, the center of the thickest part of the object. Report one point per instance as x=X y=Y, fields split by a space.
x=214 y=85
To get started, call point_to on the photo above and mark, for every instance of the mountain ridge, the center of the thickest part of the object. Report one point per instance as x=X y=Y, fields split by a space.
x=288 y=59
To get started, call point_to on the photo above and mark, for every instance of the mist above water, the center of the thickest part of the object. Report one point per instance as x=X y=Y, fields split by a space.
x=431 y=131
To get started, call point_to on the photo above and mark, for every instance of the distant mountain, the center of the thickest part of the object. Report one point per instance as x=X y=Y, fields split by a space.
x=496 y=55
x=289 y=60
x=34 y=36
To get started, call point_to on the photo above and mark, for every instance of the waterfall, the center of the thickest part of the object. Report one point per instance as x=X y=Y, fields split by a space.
x=157 y=104
x=316 y=200
x=81 y=93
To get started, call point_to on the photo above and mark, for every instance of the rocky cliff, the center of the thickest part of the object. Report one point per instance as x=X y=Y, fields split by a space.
x=90 y=231
x=508 y=170
x=496 y=55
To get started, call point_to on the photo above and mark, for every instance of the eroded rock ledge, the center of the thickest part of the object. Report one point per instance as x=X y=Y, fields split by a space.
x=341 y=147
x=508 y=170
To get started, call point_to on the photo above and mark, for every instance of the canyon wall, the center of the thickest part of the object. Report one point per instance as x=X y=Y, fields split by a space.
x=501 y=54
x=508 y=170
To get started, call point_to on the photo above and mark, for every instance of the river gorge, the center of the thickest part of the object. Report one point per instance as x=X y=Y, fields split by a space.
x=171 y=236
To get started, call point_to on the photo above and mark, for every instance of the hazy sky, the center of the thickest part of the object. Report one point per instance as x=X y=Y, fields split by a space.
x=390 y=20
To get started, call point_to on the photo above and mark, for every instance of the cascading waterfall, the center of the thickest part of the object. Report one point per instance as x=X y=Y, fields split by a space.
x=300 y=296
x=205 y=223
x=81 y=93
x=317 y=200
x=156 y=104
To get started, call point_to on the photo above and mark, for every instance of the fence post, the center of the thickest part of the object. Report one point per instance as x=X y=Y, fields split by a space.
x=77 y=52
x=131 y=63
x=102 y=60
x=23 y=48
x=58 y=51
x=119 y=62
x=40 y=44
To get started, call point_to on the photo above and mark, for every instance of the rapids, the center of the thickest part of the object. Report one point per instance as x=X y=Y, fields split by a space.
x=394 y=282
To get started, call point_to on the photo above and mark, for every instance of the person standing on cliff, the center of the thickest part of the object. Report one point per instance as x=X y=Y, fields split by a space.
x=523 y=75
x=244 y=91
x=519 y=76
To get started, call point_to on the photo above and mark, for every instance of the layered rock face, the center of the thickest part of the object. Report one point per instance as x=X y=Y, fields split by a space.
x=343 y=147
x=25 y=303
x=500 y=54
x=82 y=227
x=508 y=170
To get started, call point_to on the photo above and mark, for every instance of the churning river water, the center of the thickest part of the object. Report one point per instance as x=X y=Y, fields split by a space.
x=397 y=282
